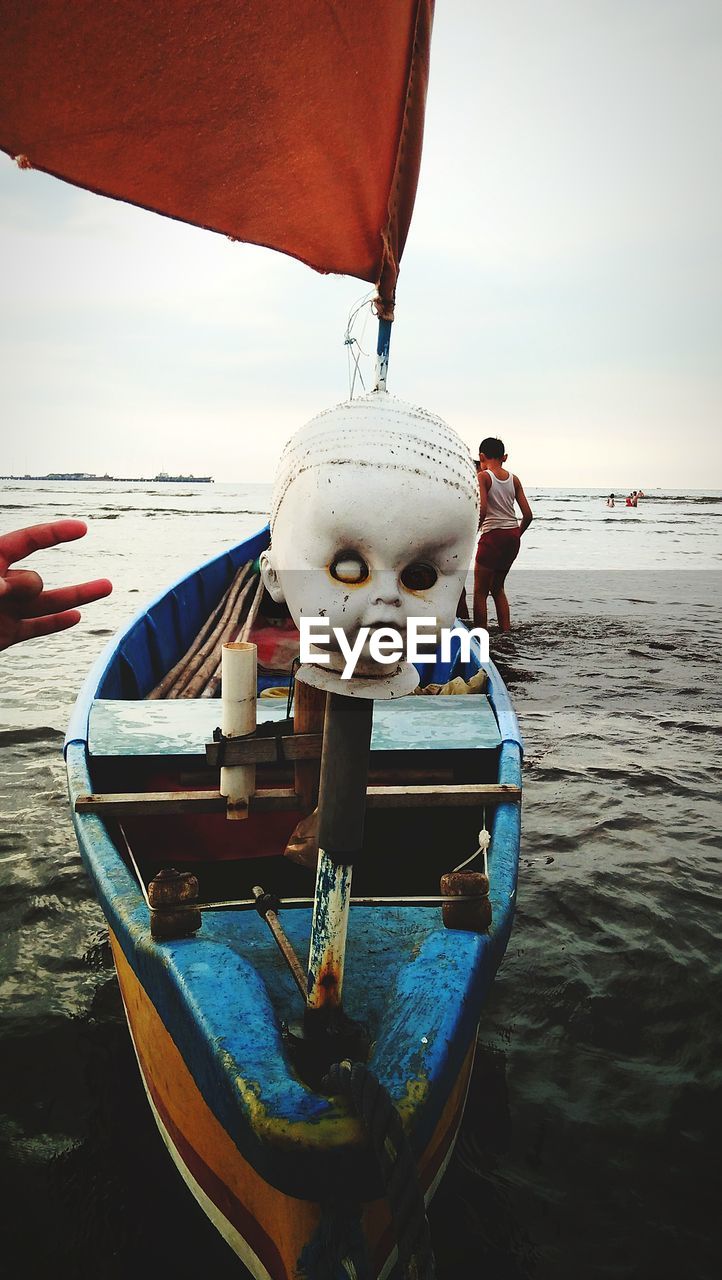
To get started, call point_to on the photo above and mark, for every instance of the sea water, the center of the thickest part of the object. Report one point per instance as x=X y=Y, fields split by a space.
x=592 y=1132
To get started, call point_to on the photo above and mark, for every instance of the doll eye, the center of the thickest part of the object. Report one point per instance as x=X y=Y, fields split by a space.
x=350 y=569
x=419 y=576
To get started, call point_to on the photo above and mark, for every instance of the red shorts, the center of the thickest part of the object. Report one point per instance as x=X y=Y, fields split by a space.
x=498 y=549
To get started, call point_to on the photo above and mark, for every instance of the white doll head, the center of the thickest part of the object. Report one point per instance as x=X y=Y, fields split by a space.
x=374 y=515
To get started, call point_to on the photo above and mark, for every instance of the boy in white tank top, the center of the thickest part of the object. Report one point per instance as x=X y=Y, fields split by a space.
x=500 y=531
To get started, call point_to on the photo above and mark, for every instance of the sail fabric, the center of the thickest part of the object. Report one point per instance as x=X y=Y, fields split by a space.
x=295 y=124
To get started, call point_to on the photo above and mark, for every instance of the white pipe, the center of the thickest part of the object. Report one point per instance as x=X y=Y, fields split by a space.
x=238 y=719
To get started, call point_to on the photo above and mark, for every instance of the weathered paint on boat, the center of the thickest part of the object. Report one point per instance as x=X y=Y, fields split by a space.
x=267 y=1228
x=260 y=1150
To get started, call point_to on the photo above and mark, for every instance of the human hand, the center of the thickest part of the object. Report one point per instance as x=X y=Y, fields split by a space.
x=26 y=609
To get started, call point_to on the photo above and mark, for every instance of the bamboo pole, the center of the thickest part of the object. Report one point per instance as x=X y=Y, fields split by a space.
x=204 y=669
x=246 y=627
x=210 y=647
x=176 y=679
x=163 y=686
x=252 y=612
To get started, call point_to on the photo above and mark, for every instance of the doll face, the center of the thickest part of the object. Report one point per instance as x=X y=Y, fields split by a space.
x=360 y=546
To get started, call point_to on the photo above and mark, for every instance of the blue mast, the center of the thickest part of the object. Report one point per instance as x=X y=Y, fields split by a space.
x=382 y=354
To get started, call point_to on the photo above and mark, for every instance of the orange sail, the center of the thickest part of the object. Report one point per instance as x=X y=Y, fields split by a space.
x=295 y=124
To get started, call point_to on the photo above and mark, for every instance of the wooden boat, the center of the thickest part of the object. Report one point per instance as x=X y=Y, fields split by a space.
x=280 y=1168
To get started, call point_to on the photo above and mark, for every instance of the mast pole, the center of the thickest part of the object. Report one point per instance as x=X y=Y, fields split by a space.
x=329 y=1031
x=382 y=353
x=342 y=808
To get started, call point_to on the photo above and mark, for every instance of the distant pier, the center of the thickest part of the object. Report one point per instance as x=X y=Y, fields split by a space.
x=161 y=478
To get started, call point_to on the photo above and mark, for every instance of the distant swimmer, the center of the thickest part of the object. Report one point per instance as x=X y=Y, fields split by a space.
x=631 y=499
x=610 y=500
x=500 y=531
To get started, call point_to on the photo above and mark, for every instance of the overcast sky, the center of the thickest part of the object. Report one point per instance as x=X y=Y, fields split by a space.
x=561 y=285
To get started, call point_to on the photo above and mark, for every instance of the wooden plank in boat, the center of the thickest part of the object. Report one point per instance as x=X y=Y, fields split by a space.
x=150 y=803
x=455 y=795
x=266 y=750
x=182 y=726
x=123 y=804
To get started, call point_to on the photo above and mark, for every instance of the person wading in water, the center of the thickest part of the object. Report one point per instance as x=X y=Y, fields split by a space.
x=500 y=531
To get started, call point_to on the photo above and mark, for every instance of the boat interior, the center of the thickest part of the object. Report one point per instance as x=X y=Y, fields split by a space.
x=161 y=744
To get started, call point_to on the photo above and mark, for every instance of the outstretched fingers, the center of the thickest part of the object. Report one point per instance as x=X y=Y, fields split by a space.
x=20 y=543
x=62 y=598
x=47 y=626
x=26 y=609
